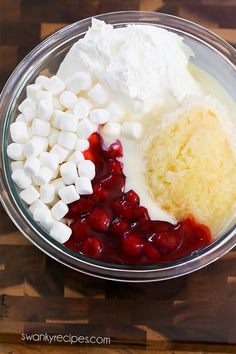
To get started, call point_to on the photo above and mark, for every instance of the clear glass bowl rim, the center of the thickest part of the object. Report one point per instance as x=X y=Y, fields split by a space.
x=17 y=211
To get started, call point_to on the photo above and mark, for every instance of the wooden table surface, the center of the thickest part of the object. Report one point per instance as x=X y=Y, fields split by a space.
x=192 y=314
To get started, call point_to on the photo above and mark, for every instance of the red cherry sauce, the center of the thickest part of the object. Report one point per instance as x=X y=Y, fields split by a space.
x=112 y=226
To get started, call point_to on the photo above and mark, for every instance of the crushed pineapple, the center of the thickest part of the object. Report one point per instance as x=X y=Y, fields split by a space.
x=191 y=163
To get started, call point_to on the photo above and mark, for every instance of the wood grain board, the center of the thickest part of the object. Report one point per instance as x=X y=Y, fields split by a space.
x=193 y=313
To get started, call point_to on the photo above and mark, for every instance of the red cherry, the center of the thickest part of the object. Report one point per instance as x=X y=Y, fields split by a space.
x=100 y=192
x=141 y=213
x=140 y=237
x=132 y=245
x=92 y=247
x=99 y=219
x=144 y=226
x=114 y=167
x=126 y=211
x=80 y=229
x=114 y=183
x=151 y=252
x=81 y=207
x=161 y=226
x=122 y=209
x=166 y=242
x=115 y=150
x=132 y=198
x=95 y=140
x=119 y=227
x=116 y=206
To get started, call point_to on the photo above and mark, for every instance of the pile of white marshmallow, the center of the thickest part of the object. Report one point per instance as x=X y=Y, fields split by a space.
x=48 y=140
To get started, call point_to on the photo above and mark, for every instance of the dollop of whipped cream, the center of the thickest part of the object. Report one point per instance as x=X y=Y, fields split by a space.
x=142 y=65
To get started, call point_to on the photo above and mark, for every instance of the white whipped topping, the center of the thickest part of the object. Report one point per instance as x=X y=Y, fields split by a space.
x=142 y=65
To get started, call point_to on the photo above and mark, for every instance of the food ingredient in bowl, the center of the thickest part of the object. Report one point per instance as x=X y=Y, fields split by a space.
x=141 y=66
x=101 y=80
x=191 y=163
x=111 y=225
x=78 y=151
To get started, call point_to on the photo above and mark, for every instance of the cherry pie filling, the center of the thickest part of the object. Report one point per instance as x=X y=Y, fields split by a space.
x=110 y=225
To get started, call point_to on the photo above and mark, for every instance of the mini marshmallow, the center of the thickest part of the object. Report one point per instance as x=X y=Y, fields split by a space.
x=115 y=112
x=19 y=132
x=67 y=140
x=32 y=90
x=86 y=168
x=81 y=144
x=61 y=153
x=83 y=185
x=45 y=110
x=40 y=127
x=43 y=176
x=57 y=104
x=47 y=193
x=68 y=99
x=15 y=151
x=37 y=204
x=68 y=194
x=25 y=103
x=58 y=184
x=53 y=136
x=20 y=178
x=55 y=85
x=45 y=96
x=30 y=113
x=59 y=210
x=68 y=122
x=32 y=166
x=60 y=232
x=35 y=146
x=20 y=118
x=112 y=129
x=44 y=217
x=98 y=94
x=28 y=109
x=41 y=212
x=41 y=80
x=132 y=129
x=86 y=128
x=55 y=200
x=99 y=116
x=80 y=81
x=49 y=160
x=16 y=164
x=76 y=157
x=29 y=195
x=68 y=172
x=82 y=108
x=56 y=118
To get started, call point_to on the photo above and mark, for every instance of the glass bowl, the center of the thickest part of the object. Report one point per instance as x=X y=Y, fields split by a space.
x=211 y=54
